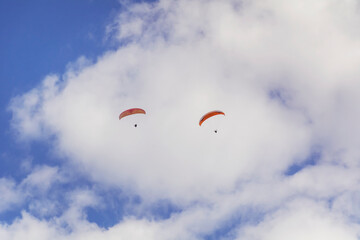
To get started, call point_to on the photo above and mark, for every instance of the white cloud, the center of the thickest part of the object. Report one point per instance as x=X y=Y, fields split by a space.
x=14 y=195
x=9 y=195
x=301 y=219
x=26 y=118
x=176 y=85
x=184 y=58
x=41 y=178
x=29 y=227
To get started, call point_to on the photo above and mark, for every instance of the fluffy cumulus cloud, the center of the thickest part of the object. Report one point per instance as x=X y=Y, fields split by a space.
x=284 y=163
x=301 y=220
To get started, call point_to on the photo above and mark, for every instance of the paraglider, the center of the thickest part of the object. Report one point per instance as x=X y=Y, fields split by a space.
x=131 y=111
x=209 y=115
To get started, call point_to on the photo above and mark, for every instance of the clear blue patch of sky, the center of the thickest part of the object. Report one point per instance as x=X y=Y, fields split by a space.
x=164 y=209
x=118 y=205
x=114 y=206
x=9 y=215
x=311 y=160
x=227 y=230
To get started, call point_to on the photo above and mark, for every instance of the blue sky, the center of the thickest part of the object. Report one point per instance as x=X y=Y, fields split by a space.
x=41 y=38
x=283 y=164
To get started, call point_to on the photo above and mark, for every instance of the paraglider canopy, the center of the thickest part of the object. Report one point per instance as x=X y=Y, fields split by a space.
x=209 y=115
x=131 y=111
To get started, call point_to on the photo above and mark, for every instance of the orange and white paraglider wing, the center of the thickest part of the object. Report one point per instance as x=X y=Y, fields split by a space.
x=209 y=115
x=131 y=111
